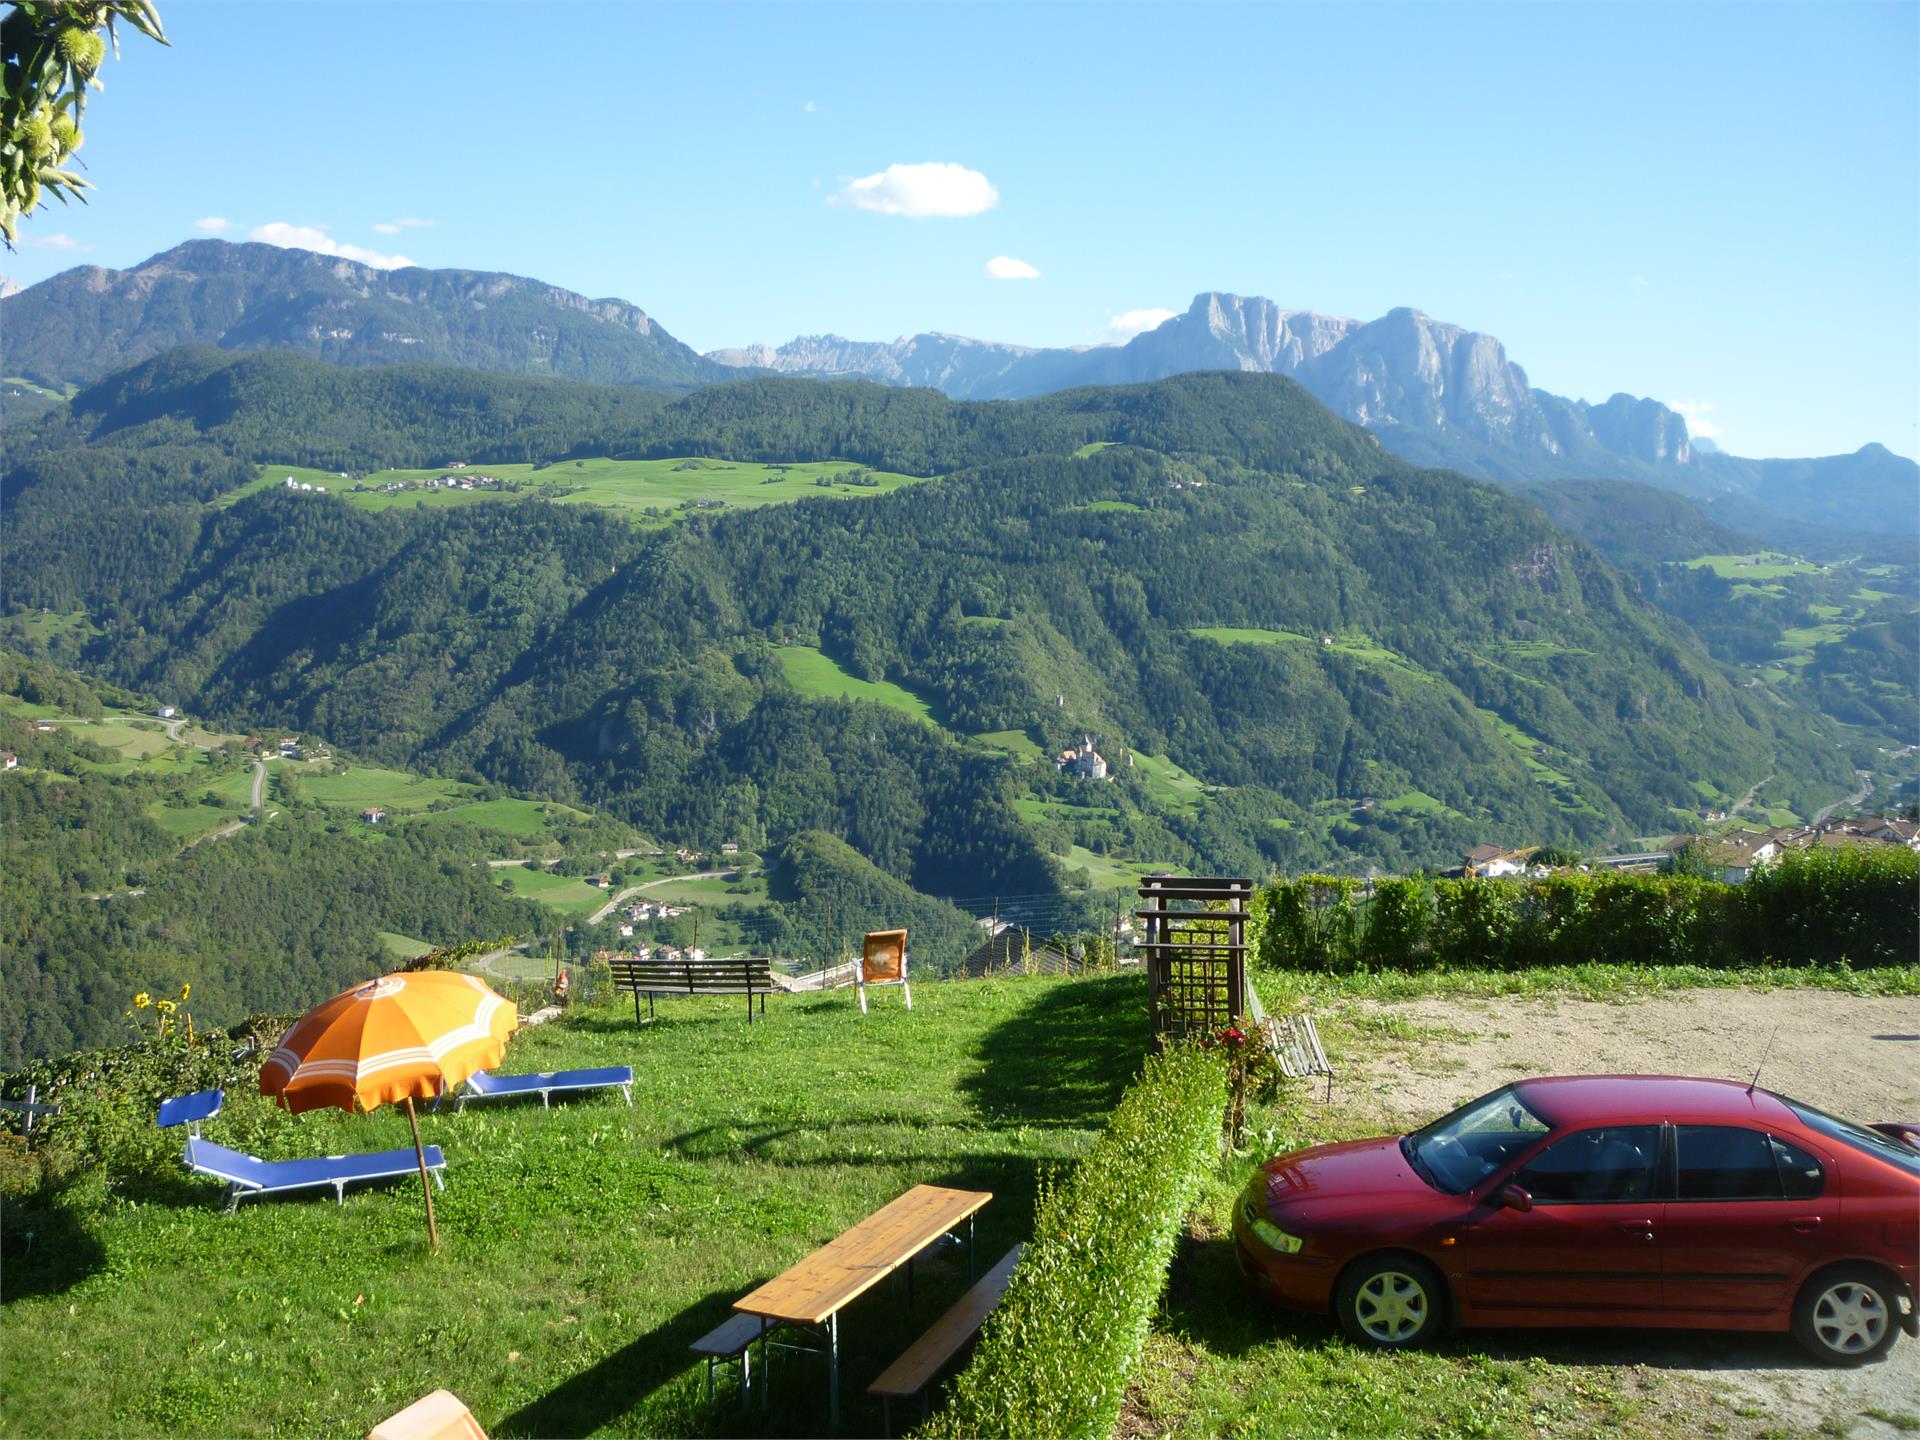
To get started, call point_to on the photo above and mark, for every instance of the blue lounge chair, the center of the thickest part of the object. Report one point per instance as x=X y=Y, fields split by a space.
x=190 y=1109
x=483 y=1086
x=248 y=1175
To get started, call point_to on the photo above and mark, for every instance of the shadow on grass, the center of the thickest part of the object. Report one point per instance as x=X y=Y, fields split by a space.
x=1066 y=1058
x=1207 y=1304
x=45 y=1248
x=599 y=1396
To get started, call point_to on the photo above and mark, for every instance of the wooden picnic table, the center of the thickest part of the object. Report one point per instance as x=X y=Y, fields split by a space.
x=812 y=1293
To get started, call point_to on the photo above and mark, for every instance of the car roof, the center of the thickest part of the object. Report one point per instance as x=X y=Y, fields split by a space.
x=1564 y=1100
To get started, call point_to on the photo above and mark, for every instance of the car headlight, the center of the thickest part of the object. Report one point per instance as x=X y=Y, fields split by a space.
x=1268 y=1233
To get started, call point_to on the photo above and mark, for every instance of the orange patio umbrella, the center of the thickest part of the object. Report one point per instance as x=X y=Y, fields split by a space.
x=415 y=1033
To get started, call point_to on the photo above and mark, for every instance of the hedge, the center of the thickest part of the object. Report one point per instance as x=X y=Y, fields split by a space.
x=1855 y=907
x=1055 y=1356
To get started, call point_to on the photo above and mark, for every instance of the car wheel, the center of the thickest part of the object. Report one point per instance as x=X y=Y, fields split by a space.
x=1847 y=1315
x=1390 y=1302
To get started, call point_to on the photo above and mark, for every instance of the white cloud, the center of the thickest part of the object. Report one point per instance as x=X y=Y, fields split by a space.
x=1695 y=414
x=921 y=190
x=58 y=240
x=1137 y=322
x=394 y=227
x=313 y=237
x=1005 y=267
x=808 y=108
x=213 y=225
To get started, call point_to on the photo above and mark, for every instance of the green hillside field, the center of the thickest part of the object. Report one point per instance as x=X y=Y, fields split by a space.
x=649 y=492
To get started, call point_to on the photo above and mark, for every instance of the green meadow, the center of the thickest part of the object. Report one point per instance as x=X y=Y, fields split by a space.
x=1763 y=565
x=357 y=787
x=566 y=893
x=819 y=676
x=650 y=492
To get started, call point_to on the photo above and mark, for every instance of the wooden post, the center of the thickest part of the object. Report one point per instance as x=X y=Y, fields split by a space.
x=426 y=1186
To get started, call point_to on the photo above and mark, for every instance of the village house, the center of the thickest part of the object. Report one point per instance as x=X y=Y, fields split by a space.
x=373 y=815
x=9 y=761
x=1492 y=861
x=626 y=932
x=729 y=848
x=45 y=727
x=167 y=712
x=599 y=881
x=1083 y=760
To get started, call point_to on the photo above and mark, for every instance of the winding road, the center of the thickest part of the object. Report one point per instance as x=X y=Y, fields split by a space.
x=614 y=904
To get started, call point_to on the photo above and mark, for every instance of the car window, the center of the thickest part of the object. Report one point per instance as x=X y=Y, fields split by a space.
x=1881 y=1147
x=1460 y=1150
x=1594 y=1167
x=1800 y=1174
x=1724 y=1162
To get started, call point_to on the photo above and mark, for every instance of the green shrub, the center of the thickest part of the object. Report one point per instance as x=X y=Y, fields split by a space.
x=1853 y=907
x=1056 y=1355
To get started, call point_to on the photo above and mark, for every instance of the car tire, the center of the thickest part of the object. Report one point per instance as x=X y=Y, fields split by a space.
x=1390 y=1302
x=1847 y=1315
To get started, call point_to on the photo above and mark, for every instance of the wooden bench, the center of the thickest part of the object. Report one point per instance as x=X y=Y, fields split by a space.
x=692 y=977
x=729 y=1344
x=914 y=1371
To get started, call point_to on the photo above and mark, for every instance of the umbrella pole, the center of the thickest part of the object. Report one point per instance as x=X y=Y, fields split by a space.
x=426 y=1188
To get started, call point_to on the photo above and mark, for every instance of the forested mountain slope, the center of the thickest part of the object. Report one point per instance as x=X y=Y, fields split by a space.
x=1239 y=589
x=101 y=899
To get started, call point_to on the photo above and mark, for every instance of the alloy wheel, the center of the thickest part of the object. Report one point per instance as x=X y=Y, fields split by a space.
x=1391 y=1307
x=1850 y=1318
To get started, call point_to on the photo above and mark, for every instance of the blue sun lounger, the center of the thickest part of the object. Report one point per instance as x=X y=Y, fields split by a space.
x=483 y=1086
x=248 y=1175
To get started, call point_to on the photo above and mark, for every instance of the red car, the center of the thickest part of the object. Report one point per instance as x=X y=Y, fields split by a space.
x=1601 y=1200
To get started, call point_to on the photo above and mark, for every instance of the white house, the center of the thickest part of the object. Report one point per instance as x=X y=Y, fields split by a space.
x=167 y=712
x=9 y=761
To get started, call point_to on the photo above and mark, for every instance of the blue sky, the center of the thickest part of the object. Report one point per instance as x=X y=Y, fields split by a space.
x=1717 y=206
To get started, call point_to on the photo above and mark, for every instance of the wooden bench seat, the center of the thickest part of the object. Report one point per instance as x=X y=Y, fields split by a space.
x=728 y=1344
x=915 y=1370
x=749 y=977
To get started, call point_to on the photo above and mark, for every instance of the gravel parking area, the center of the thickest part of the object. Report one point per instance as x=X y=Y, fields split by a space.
x=1402 y=1063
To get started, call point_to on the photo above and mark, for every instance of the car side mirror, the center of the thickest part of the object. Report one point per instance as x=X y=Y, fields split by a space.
x=1513 y=1197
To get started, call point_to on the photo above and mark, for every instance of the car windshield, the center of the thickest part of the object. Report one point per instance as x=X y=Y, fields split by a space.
x=1882 y=1147
x=1458 y=1151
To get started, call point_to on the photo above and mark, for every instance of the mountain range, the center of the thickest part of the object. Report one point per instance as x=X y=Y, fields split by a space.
x=87 y=322
x=1434 y=393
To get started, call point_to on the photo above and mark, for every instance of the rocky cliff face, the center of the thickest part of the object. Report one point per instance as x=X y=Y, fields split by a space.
x=1439 y=393
x=87 y=322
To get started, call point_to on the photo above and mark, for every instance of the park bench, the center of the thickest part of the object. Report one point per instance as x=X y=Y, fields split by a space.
x=727 y=1344
x=692 y=977
x=914 y=1371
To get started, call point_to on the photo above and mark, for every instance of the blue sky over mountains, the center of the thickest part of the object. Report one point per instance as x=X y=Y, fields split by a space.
x=1713 y=205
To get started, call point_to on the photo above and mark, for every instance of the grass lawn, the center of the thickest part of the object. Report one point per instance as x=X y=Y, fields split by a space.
x=818 y=676
x=747 y=890
x=1243 y=635
x=563 y=892
x=402 y=947
x=584 y=1249
x=1094 y=448
x=1112 y=507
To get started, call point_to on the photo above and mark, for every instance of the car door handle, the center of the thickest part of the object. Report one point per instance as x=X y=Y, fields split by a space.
x=1804 y=1224
x=1635 y=1227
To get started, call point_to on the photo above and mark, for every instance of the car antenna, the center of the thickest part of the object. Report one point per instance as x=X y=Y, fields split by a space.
x=1753 y=1083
